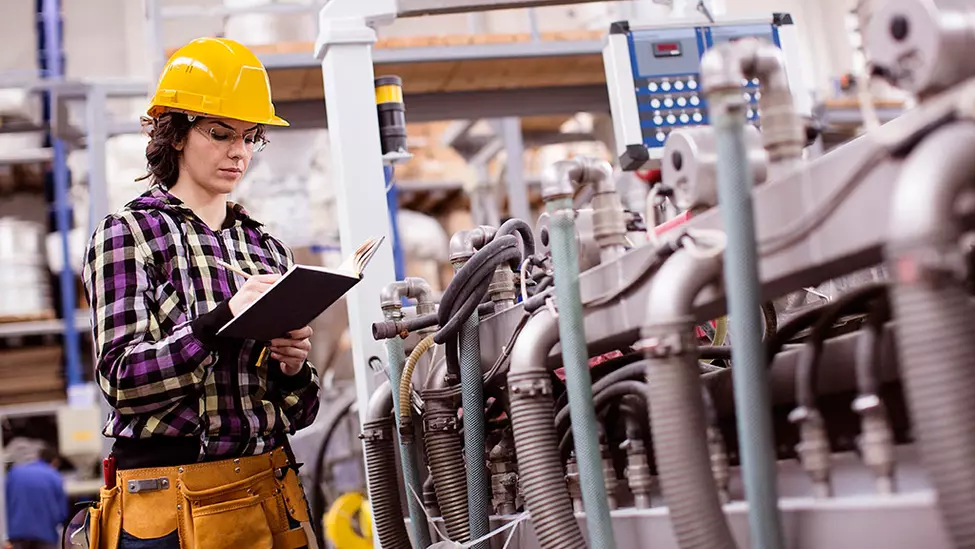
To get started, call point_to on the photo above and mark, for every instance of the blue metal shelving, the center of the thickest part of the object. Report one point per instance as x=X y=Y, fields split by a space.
x=51 y=62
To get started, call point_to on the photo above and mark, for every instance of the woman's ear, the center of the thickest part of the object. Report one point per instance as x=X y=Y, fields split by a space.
x=180 y=144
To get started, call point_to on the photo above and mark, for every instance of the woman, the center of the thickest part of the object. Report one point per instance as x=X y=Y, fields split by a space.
x=200 y=422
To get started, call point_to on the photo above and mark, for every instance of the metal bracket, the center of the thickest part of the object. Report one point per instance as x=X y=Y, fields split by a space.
x=147 y=485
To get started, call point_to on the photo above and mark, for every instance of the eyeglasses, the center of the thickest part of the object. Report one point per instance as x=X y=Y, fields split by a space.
x=220 y=135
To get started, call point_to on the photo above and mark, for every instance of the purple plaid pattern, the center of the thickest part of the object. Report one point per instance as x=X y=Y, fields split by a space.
x=152 y=269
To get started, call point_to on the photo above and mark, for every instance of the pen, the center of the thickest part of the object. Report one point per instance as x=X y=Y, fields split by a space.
x=262 y=357
x=230 y=267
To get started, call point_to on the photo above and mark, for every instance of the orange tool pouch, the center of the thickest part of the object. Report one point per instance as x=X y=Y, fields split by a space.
x=243 y=502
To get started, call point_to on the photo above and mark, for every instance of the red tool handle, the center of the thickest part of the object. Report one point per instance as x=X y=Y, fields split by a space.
x=108 y=470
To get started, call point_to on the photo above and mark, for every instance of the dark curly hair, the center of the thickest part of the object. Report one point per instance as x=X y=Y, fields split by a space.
x=162 y=157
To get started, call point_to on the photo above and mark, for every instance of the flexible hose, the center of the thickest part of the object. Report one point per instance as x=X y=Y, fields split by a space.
x=602 y=399
x=752 y=400
x=871 y=348
x=406 y=383
x=572 y=337
x=472 y=394
x=935 y=315
x=411 y=471
x=676 y=407
x=515 y=225
x=807 y=374
x=540 y=471
x=539 y=465
x=384 y=495
x=445 y=456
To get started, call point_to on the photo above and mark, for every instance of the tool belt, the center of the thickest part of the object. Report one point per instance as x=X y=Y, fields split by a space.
x=254 y=502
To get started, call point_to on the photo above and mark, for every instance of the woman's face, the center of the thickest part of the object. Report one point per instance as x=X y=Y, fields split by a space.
x=217 y=151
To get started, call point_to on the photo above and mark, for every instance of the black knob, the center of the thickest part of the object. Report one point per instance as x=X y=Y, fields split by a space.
x=677 y=159
x=899 y=27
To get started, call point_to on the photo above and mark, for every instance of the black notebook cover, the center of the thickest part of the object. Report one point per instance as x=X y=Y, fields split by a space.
x=291 y=303
x=298 y=297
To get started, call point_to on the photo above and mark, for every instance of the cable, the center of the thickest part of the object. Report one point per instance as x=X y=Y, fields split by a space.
x=807 y=371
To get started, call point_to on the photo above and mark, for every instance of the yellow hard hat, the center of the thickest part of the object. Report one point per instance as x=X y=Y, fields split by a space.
x=216 y=77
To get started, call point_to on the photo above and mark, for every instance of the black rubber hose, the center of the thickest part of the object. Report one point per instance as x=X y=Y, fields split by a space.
x=791 y=329
x=871 y=347
x=807 y=375
x=462 y=281
x=537 y=301
x=455 y=311
x=388 y=329
x=517 y=226
x=602 y=399
x=711 y=352
x=635 y=370
x=544 y=284
x=384 y=493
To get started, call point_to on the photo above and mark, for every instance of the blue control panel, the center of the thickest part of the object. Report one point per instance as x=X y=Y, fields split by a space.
x=666 y=75
x=653 y=76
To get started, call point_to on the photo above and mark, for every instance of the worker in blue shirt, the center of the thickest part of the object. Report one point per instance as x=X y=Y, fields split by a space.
x=36 y=503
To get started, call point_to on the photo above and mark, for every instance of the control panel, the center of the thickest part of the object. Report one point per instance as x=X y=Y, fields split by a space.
x=653 y=77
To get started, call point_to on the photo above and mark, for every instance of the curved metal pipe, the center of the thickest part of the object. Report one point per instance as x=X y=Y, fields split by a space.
x=381 y=402
x=609 y=226
x=463 y=243
x=677 y=415
x=412 y=287
x=935 y=315
x=536 y=440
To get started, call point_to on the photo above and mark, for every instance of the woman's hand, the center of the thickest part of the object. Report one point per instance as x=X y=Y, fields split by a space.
x=292 y=350
x=250 y=291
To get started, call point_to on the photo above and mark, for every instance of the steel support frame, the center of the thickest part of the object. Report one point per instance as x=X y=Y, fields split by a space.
x=344 y=47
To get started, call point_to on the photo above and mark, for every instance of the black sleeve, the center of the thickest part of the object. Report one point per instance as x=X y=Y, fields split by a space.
x=205 y=327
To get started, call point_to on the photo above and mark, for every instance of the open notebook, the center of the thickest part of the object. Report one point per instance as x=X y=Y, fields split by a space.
x=298 y=297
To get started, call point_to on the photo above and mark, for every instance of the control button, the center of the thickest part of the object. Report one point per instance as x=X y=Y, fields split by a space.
x=758 y=113
x=744 y=81
x=678 y=85
x=671 y=119
x=681 y=101
x=665 y=86
x=747 y=96
x=697 y=117
x=758 y=95
x=684 y=119
x=695 y=100
x=661 y=136
x=658 y=120
x=751 y=113
x=755 y=81
x=692 y=84
x=652 y=86
x=655 y=103
x=668 y=102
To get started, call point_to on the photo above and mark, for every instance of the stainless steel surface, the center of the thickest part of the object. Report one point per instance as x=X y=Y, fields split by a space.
x=689 y=165
x=588 y=247
x=923 y=45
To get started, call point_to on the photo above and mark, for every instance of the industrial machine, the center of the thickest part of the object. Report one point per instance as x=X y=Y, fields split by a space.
x=653 y=74
x=582 y=396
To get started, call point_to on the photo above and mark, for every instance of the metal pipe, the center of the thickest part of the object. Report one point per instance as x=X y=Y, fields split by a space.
x=722 y=85
x=677 y=415
x=412 y=287
x=935 y=315
x=572 y=336
x=609 y=224
x=536 y=440
x=392 y=309
x=384 y=495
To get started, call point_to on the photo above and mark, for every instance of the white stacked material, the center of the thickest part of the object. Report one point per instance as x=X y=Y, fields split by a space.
x=422 y=237
x=288 y=189
x=24 y=284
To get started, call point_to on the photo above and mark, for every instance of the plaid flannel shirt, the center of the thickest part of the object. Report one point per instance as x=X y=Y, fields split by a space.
x=157 y=298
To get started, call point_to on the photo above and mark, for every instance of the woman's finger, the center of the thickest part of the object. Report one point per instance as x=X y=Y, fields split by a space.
x=289 y=352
